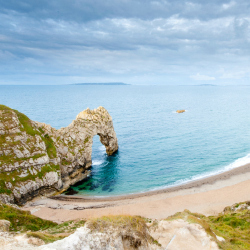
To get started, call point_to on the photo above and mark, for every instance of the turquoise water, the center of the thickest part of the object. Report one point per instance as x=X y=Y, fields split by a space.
x=157 y=147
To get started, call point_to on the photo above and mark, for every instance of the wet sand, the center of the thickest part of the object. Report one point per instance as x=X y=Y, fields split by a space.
x=208 y=196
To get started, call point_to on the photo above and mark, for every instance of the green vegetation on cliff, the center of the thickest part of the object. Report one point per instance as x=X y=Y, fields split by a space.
x=50 y=146
x=23 y=221
x=4 y=108
x=24 y=120
x=233 y=225
x=48 y=231
x=16 y=176
x=27 y=125
x=118 y=221
x=11 y=143
x=29 y=129
x=3 y=189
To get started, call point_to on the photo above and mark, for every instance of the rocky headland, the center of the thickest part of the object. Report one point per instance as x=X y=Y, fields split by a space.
x=36 y=159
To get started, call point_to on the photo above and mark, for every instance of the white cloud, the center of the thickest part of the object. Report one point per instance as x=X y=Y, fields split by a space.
x=171 y=41
x=229 y=5
x=199 y=77
x=234 y=75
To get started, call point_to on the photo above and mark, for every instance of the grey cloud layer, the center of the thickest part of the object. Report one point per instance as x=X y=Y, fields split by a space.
x=154 y=40
x=86 y=10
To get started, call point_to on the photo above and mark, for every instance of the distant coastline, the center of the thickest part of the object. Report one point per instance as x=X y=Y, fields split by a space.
x=101 y=83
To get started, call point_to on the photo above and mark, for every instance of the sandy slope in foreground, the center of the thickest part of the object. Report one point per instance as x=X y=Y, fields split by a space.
x=207 y=196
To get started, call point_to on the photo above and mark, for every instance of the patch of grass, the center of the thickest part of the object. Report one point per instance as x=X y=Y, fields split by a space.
x=65 y=162
x=41 y=130
x=47 y=238
x=48 y=168
x=86 y=140
x=50 y=147
x=3 y=189
x=234 y=227
x=118 y=221
x=22 y=220
x=48 y=231
x=4 y=108
x=26 y=122
x=57 y=232
x=154 y=241
x=66 y=227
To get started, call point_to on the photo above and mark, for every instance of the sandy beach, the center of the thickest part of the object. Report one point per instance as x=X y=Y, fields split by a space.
x=208 y=196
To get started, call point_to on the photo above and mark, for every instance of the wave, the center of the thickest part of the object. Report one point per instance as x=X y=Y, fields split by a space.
x=102 y=148
x=97 y=162
x=236 y=164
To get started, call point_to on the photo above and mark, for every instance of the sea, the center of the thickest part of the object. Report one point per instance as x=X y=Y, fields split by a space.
x=158 y=148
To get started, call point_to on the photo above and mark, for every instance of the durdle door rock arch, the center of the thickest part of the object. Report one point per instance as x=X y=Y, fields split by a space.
x=36 y=159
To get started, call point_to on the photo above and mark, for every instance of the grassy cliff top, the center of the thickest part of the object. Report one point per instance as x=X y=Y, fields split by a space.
x=233 y=224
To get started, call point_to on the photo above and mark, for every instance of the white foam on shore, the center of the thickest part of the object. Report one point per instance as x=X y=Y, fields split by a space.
x=97 y=162
x=236 y=164
x=102 y=148
x=239 y=162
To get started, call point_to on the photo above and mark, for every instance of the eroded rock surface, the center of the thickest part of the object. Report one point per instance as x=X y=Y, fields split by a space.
x=111 y=239
x=36 y=159
x=4 y=225
x=10 y=241
x=176 y=235
x=179 y=234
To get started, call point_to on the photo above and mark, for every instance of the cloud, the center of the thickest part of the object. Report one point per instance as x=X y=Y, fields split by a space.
x=155 y=41
x=228 y=5
x=199 y=77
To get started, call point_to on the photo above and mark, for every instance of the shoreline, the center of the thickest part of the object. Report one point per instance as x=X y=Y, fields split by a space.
x=190 y=184
x=208 y=196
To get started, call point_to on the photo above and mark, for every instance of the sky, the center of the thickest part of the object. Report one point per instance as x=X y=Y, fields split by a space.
x=171 y=42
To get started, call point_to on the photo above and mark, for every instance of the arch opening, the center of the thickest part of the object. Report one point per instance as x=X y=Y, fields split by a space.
x=104 y=173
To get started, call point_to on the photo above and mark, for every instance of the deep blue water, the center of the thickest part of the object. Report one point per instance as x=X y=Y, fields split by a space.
x=157 y=146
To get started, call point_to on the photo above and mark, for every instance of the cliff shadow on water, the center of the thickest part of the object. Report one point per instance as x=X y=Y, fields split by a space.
x=104 y=173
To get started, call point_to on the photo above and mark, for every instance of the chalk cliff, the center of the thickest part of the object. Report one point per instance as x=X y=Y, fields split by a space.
x=36 y=159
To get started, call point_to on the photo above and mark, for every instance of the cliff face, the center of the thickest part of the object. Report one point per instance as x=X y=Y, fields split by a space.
x=36 y=159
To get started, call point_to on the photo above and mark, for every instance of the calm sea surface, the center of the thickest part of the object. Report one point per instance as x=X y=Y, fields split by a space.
x=157 y=147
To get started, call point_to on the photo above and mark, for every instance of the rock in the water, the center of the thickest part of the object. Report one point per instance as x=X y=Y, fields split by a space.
x=4 y=225
x=36 y=159
x=180 y=111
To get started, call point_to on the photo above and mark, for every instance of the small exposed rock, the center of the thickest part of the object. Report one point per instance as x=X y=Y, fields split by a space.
x=4 y=225
x=237 y=207
x=180 y=111
x=35 y=241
